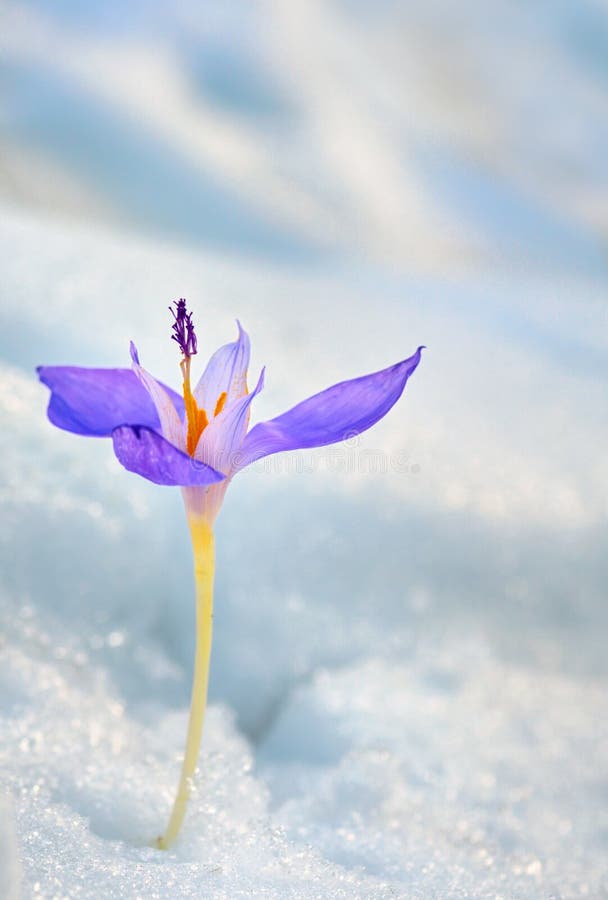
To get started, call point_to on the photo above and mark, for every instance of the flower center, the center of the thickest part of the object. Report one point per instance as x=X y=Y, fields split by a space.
x=196 y=417
x=185 y=338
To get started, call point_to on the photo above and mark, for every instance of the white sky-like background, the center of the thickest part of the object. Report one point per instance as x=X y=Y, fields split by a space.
x=407 y=662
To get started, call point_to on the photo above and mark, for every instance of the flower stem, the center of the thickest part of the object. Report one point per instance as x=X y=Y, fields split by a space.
x=203 y=546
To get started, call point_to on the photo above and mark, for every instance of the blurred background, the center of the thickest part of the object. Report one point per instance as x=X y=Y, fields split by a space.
x=350 y=180
x=411 y=135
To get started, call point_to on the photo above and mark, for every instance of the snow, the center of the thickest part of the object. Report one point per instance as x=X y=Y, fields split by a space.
x=409 y=671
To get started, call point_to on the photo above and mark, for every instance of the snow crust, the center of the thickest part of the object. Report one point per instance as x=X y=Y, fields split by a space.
x=404 y=701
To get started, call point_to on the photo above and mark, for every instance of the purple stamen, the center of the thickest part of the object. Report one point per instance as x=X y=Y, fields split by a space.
x=183 y=328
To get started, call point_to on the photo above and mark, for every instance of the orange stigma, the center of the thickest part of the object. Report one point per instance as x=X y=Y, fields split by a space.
x=196 y=417
x=221 y=400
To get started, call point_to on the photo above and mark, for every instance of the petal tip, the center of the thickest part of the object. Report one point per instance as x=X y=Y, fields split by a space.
x=134 y=353
x=243 y=337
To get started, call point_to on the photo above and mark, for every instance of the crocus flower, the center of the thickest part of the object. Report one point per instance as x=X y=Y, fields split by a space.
x=199 y=441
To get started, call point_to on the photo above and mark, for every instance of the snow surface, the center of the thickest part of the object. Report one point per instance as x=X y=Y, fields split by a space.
x=408 y=694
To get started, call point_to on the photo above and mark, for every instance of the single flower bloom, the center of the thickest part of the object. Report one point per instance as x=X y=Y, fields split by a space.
x=199 y=441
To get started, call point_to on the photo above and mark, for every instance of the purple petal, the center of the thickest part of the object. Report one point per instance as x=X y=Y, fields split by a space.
x=94 y=401
x=171 y=425
x=225 y=371
x=147 y=453
x=337 y=413
x=221 y=440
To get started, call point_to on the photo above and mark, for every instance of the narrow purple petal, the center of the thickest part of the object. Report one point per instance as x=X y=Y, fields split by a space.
x=337 y=413
x=225 y=371
x=94 y=401
x=171 y=425
x=147 y=453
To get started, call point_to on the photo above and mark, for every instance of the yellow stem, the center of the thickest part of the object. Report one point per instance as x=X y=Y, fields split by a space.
x=204 y=564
